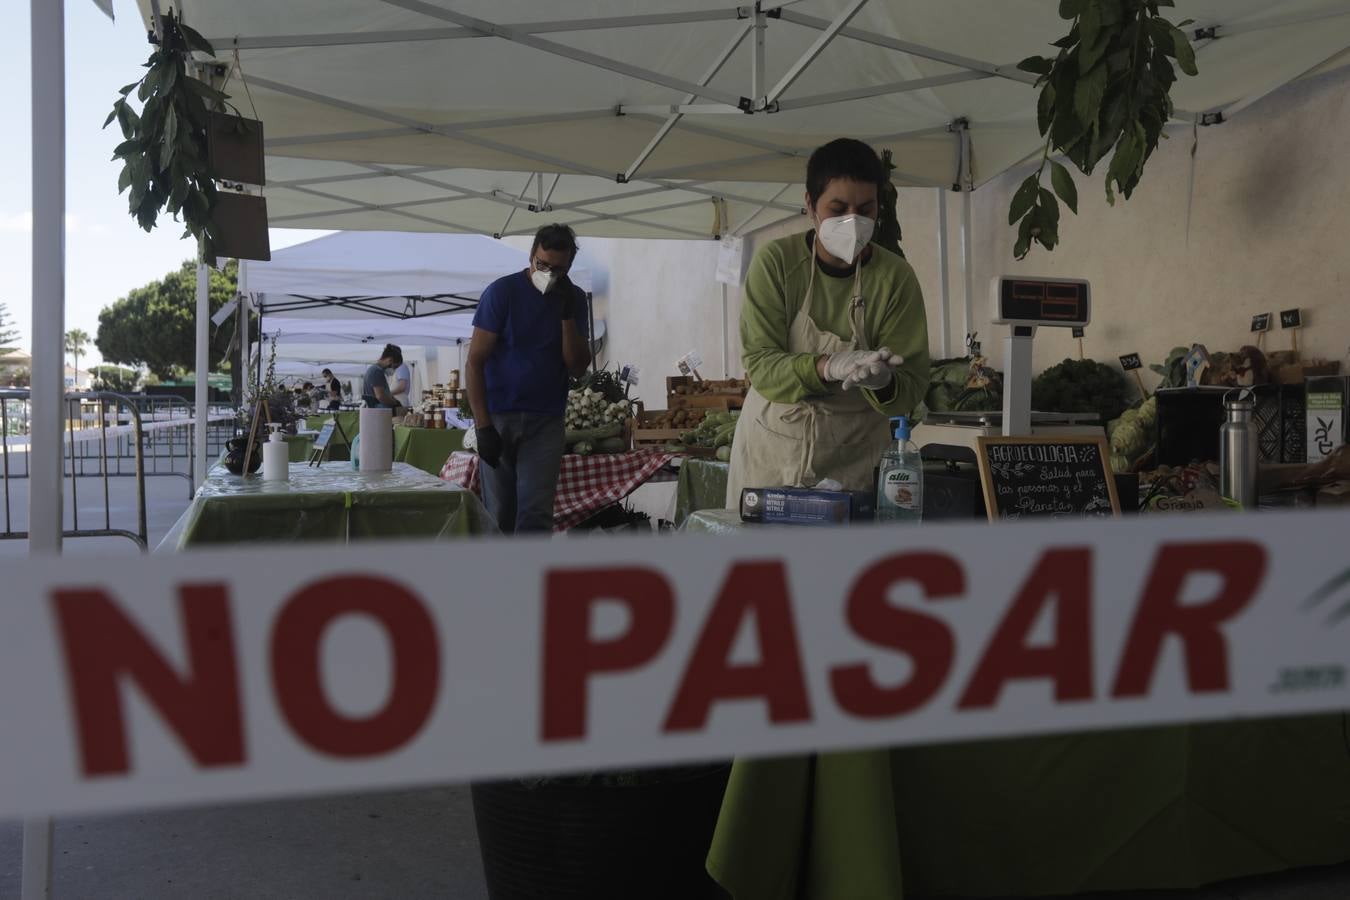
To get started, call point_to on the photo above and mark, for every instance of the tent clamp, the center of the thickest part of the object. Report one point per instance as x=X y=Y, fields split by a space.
x=1209 y=33
x=535 y=208
x=1212 y=118
x=746 y=12
x=621 y=178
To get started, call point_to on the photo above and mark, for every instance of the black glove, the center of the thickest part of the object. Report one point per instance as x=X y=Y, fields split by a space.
x=489 y=445
x=567 y=294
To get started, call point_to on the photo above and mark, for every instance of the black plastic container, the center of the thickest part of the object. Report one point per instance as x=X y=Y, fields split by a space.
x=564 y=840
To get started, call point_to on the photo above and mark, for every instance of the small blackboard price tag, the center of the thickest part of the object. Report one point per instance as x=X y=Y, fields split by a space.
x=1044 y=477
x=1079 y=332
x=1291 y=318
x=1260 y=323
x=1130 y=361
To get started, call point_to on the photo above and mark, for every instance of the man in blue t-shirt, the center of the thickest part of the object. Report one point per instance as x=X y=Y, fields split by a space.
x=528 y=337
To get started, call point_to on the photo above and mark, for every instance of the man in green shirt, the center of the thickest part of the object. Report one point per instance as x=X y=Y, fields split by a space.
x=834 y=338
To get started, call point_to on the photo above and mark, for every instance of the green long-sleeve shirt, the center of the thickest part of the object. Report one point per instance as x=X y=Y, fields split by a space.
x=893 y=314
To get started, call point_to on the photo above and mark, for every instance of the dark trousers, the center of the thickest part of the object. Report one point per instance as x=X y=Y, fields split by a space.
x=519 y=490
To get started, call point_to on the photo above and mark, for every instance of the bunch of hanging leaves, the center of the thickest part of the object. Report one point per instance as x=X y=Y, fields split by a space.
x=1107 y=89
x=164 y=151
x=888 y=213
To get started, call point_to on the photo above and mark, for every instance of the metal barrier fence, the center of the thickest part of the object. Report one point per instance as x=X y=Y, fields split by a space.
x=109 y=436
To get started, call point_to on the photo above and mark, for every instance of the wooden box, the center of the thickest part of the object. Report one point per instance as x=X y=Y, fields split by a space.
x=725 y=394
x=651 y=428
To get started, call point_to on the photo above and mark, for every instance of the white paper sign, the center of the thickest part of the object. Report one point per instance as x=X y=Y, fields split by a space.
x=730 y=256
x=239 y=674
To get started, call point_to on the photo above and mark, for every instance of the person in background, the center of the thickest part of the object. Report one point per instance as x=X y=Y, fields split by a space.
x=834 y=338
x=375 y=385
x=400 y=379
x=528 y=337
x=333 y=395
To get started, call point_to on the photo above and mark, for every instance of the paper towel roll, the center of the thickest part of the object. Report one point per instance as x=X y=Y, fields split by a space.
x=377 y=439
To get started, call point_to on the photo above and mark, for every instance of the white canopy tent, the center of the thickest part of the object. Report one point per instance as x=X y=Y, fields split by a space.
x=370 y=288
x=384 y=275
x=669 y=118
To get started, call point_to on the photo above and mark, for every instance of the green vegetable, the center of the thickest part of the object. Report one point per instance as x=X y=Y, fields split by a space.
x=724 y=453
x=582 y=448
x=1081 y=386
x=724 y=435
x=611 y=445
x=591 y=435
x=675 y=447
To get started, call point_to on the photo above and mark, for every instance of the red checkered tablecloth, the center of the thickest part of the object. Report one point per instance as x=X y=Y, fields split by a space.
x=586 y=484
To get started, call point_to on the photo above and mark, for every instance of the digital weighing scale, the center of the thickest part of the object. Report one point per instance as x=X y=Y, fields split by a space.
x=1023 y=304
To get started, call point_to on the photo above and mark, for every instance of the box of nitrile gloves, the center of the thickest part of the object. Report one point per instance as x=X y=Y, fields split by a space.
x=1328 y=399
x=805 y=506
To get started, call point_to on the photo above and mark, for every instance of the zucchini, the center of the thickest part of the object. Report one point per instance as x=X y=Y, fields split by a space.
x=611 y=445
x=591 y=435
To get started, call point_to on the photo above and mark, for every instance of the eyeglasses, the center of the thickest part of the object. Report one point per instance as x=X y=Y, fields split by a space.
x=541 y=266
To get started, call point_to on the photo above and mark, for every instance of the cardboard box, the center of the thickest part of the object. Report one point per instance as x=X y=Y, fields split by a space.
x=805 y=506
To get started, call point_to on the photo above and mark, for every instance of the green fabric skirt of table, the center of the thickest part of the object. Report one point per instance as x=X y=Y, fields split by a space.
x=331 y=503
x=426 y=448
x=702 y=485
x=300 y=446
x=1170 y=807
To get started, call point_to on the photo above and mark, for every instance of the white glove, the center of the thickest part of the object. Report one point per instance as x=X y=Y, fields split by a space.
x=838 y=366
x=876 y=373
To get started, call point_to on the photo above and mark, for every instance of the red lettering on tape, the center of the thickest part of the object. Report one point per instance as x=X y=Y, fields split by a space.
x=572 y=656
x=298 y=682
x=102 y=646
x=1241 y=565
x=926 y=640
x=1066 y=576
x=758 y=590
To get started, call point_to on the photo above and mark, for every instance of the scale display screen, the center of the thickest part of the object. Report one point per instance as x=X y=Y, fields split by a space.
x=1042 y=301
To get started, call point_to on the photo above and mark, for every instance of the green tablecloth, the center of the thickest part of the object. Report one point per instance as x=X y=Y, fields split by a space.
x=702 y=485
x=329 y=503
x=300 y=446
x=426 y=448
x=1167 y=807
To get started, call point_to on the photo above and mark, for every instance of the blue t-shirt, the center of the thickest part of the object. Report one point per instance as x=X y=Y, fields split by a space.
x=526 y=372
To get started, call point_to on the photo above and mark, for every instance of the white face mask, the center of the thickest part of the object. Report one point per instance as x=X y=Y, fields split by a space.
x=845 y=236
x=543 y=281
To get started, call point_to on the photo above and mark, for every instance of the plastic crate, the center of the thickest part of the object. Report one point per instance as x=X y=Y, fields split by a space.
x=1279 y=418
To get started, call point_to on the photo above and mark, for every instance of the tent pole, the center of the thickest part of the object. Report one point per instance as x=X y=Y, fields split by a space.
x=725 y=354
x=203 y=368
x=46 y=463
x=967 y=253
x=944 y=256
x=242 y=323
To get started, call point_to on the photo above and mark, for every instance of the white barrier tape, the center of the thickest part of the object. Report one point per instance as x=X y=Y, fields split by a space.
x=238 y=674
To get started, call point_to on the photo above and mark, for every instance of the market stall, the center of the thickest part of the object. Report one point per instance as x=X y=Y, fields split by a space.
x=331 y=502
x=586 y=484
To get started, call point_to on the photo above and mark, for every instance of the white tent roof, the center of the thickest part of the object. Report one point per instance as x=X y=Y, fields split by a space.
x=363 y=275
x=425 y=332
x=628 y=117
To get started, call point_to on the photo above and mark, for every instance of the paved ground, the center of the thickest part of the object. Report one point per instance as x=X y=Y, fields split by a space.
x=388 y=845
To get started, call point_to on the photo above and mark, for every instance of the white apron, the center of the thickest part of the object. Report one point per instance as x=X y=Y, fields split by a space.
x=838 y=435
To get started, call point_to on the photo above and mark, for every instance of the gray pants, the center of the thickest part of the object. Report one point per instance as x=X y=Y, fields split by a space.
x=519 y=490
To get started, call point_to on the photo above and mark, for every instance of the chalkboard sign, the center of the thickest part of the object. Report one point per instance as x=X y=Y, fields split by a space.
x=1047 y=477
x=1291 y=318
x=1130 y=361
x=1079 y=332
x=325 y=434
x=1261 y=323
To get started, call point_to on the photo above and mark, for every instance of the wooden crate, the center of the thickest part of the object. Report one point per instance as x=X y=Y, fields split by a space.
x=729 y=394
x=646 y=434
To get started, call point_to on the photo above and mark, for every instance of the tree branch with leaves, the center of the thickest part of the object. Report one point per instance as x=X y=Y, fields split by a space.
x=164 y=151
x=1107 y=89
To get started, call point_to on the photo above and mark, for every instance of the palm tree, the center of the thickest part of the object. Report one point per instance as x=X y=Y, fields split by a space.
x=76 y=342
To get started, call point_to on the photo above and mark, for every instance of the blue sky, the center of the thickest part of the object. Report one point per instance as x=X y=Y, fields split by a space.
x=107 y=254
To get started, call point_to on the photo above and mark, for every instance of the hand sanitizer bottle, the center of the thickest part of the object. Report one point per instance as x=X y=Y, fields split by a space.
x=900 y=479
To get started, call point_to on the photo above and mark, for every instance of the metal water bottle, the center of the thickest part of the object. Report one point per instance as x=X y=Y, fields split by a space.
x=1237 y=450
